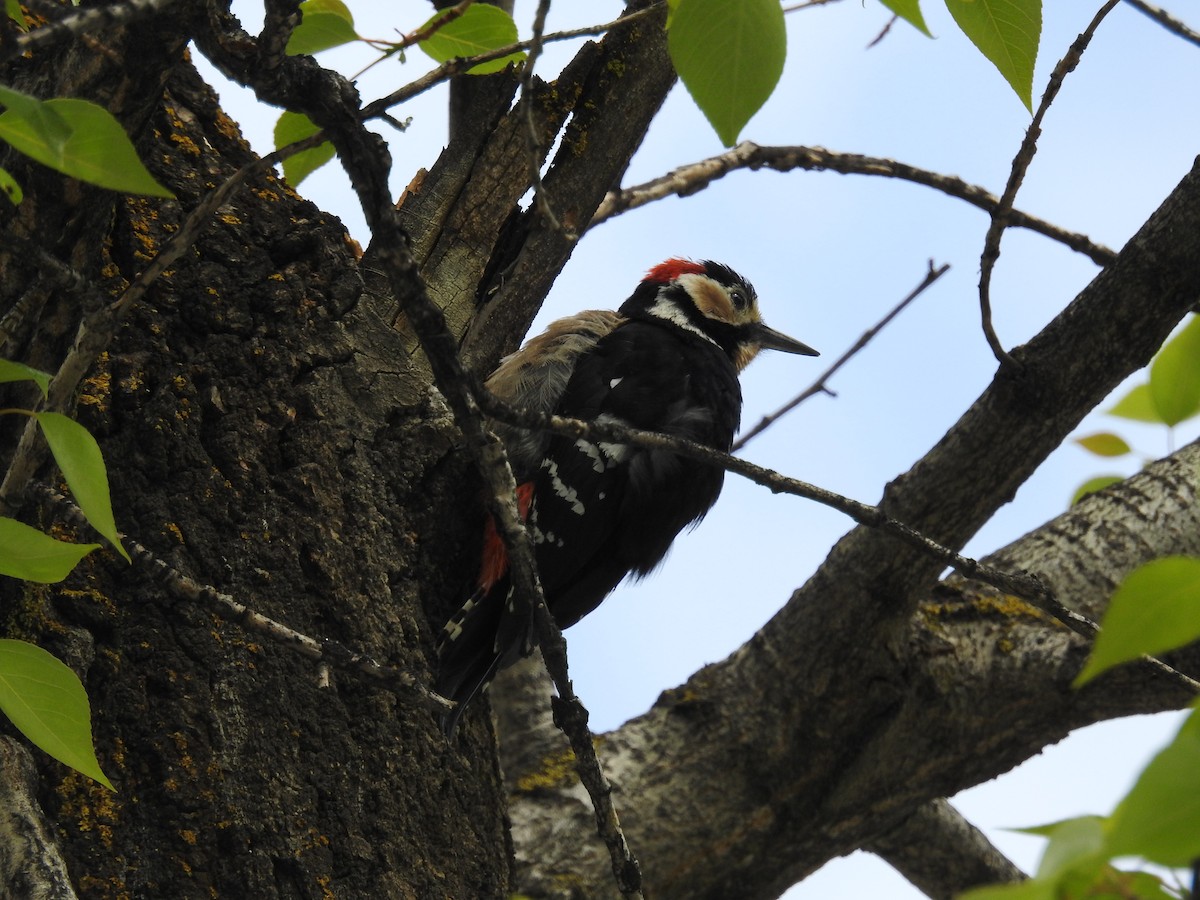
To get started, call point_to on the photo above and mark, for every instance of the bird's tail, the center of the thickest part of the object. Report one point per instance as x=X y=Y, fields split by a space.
x=486 y=634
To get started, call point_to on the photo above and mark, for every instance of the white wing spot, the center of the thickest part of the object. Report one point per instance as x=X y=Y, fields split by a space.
x=568 y=494
x=612 y=384
x=593 y=453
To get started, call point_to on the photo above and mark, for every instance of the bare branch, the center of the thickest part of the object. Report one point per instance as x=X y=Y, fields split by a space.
x=819 y=386
x=1166 y=20
x=1000 y=215
x=696 y=176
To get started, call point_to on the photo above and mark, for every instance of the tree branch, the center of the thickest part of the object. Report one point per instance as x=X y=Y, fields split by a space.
x=1166 y=20
x=696 y=176
x=1000 y=215
x=942 y=853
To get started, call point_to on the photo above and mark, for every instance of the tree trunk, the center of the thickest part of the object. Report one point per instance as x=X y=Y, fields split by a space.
x=270 y=430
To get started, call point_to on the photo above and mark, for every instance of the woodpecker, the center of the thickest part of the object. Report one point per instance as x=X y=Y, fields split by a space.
x=667 y=361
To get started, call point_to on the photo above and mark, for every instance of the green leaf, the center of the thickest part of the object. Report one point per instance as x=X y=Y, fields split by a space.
x=1024 y=890
x=1108 y=883
x=1007 y=33
x=1073 y=853
x=910 y=12
x=79 y=457
x=1159 y=819
x=1103 y=443
x=729 y=56
x=292 y=127
x=481 y=29
x=47 y=702
x=1075 y=844
x=1156 y=608
x=1175 y=375
x=15 y=371
x=42 y=119
x=13 y=8
x=1099 y=483
x=9 y=186
x=27 y=553
x=1137 y=405
x=77 y=138
x=325 y=24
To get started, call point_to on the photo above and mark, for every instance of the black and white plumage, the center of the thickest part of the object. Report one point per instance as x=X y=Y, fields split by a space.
x=668 y=362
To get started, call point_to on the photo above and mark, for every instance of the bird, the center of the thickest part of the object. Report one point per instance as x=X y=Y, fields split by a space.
x=666 y=361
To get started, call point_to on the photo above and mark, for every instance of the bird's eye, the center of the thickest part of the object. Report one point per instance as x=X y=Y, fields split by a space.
x=737 y=298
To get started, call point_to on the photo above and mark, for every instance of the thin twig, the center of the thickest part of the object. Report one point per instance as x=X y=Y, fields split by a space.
x=819 y=386
x=878 y=39
x=696 y=176
x=1166 y=20
x=1020 y=165
x=324 y=652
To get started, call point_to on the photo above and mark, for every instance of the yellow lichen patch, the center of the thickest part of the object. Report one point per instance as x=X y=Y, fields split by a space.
x=175 y=531
x=186 y=144
x=188 y=836
x=229 y=218
x=91 y=807
x=90 y=595
x=140 y=219
x=556 y=770
x=132 y=382
x=96 y=389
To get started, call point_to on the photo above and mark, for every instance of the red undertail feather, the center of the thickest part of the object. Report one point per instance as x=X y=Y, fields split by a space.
x=494 y=563
x=671 y=269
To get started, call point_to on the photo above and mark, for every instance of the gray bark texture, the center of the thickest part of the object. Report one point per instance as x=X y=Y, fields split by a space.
x=270 y=429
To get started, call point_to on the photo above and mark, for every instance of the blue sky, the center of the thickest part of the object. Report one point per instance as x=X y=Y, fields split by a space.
x=830 y=254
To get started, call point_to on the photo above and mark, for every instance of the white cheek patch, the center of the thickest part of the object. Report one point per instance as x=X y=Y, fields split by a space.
x=665 y=309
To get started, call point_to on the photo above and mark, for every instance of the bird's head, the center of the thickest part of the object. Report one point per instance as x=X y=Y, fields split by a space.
x=714 y=302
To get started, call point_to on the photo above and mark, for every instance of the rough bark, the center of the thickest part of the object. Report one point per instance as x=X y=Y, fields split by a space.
x=268 y=432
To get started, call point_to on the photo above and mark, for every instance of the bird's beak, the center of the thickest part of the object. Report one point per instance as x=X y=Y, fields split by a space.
x=770 y=339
